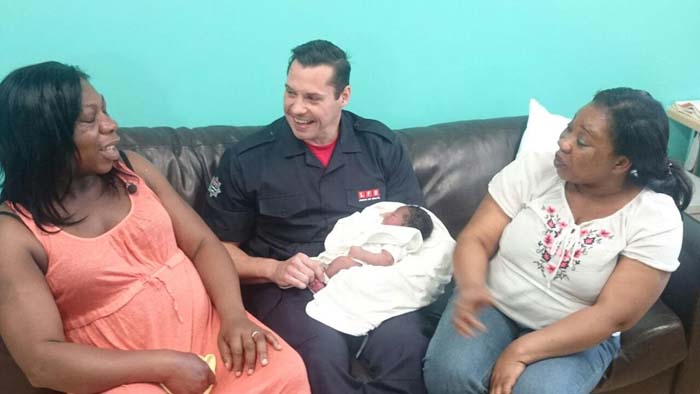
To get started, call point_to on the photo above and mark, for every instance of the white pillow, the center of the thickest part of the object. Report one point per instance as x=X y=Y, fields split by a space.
x=542 y=131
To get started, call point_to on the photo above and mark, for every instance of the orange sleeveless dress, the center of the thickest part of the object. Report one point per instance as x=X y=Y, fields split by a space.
x=132 y=288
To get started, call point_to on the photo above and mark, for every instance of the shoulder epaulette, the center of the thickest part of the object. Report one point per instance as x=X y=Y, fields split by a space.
x=371 y=126
x=265 y=136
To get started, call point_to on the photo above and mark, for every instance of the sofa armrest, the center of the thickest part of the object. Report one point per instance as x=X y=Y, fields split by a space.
x=654 y=344
x=682 y=295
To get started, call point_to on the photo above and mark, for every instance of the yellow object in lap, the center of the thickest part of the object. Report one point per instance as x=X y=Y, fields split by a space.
x=210 y=359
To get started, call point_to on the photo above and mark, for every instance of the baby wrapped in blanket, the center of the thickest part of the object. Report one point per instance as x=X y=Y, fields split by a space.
x=358 y=299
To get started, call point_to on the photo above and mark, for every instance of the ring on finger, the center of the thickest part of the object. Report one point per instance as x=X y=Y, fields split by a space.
x=254 y=333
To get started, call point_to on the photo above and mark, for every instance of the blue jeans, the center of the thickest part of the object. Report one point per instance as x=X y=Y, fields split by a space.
x=456 y=364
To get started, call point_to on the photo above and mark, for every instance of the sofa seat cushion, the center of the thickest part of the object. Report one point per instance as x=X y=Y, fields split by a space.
x=657 y=342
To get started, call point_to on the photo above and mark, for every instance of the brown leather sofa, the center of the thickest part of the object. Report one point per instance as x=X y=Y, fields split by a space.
x=454 y=162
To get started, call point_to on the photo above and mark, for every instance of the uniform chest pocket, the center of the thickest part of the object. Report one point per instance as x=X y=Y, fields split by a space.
x=282 y=206
x=365 y=196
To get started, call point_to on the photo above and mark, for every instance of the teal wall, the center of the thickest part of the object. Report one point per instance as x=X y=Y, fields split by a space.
x=195 y=63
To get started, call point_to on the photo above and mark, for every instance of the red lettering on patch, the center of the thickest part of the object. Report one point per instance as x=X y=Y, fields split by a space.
x=368 y=195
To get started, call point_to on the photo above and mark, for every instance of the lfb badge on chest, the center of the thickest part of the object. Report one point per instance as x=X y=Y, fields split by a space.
x=369 y=195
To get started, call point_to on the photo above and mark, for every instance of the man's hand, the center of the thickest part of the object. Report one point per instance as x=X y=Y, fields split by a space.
x=340 y=263
x=297 y=271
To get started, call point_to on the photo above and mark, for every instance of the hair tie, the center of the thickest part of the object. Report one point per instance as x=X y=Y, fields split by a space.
x=669 y=165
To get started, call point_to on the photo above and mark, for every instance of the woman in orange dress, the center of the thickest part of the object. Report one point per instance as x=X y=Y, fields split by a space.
x=109 y=282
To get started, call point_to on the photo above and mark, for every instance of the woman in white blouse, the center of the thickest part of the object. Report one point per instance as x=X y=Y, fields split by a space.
x=564 y=252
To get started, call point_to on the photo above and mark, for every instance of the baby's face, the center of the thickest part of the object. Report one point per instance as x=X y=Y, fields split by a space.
x=399 y=217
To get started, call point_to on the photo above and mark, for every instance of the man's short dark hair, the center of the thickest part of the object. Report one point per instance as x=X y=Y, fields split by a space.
x=420 y=219
x=320 y=52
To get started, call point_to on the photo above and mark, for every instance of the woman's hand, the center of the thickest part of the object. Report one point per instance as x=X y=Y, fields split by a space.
x=187 y=374
x=466 y=307
x=241 y=342
x=506 y=372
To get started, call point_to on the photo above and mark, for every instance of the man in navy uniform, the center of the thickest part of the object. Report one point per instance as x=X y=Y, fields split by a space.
x=279 y=192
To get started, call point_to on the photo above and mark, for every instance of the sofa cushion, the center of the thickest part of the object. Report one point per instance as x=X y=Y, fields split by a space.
x=542 y=131
x=187 y=157
x=455 y=161
x=655 y=343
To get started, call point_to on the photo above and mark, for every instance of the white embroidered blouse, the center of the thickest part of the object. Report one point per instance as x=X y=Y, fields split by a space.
x=547 y=266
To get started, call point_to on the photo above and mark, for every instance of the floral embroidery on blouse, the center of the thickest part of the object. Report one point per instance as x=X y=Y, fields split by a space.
x=563 y=245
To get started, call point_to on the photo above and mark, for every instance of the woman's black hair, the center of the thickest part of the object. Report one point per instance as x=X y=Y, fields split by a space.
x=39 y=107
x=640 y=132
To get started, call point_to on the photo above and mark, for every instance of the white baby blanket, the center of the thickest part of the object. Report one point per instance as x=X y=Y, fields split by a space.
x=358 y=299
x=365 y=229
